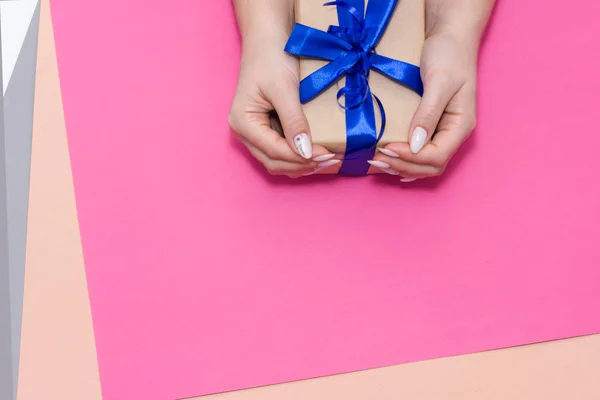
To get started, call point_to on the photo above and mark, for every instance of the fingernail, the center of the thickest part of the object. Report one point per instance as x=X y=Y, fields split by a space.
x=407 y=180
x=327 y=164
x=389 y=153
x=385 y=167
x=324 y=157
x=390 y=171
x=417 y=141
x=303 y=145
x=323 y=166
x=379 y=164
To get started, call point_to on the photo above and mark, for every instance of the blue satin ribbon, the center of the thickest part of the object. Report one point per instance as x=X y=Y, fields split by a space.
x=350 y=48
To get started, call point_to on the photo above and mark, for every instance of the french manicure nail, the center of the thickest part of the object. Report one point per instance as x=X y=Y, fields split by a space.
x=324 y=157
x=417 y=141
x=388 y=153
x=303 y=145
x=323 y=166
x=407 y=180
x=379 y=164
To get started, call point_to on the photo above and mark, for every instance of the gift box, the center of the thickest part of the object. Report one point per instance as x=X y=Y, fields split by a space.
x=359 y=67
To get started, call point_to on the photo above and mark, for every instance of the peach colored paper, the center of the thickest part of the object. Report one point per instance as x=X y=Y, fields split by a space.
x=58 y=355
x=560 y=370
x=205 y=275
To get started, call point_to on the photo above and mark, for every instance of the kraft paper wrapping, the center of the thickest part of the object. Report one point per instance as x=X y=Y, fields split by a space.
x=403 y=40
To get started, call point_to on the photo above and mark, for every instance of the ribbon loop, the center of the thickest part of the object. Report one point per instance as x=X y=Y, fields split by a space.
x=350 y=50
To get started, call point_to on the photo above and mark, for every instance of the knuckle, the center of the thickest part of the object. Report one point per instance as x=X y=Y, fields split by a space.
x=295 y=122
x=271 y=168
x=269 y=146
x=441 y=160
x=271 y=152
x=471 y=123
x=233 y=121
x=439 y=78
x=429 y=117
x=431 y=74
x=290 y=75
x=410 y=157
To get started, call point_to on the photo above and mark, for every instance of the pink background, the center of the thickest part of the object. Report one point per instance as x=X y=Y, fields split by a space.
x=205 y=275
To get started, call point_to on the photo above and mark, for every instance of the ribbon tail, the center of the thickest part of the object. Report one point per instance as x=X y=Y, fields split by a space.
x=378 y=15
x=348 y=20
x=404 y=73
x=361 y=131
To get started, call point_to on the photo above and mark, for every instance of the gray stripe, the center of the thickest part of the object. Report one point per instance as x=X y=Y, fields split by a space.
x=6 y=372
x=18 y=123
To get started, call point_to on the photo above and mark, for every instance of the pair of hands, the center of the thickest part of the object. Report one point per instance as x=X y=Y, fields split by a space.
x=269 y=81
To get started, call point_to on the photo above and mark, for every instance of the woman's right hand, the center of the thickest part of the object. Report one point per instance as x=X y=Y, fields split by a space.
x=268 y=81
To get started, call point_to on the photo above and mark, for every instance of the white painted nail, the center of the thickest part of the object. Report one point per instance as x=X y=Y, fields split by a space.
x=385 y=167
x=389 y=153
x=390 y=171
x=324 y=157
x=408 y=180
x=379 y=164
x=323 y=166
x=303 y=145
x=417 y=141
x=327 y=164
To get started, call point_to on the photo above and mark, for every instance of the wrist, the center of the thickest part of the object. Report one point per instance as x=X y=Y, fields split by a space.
x=462 y=20
x=468 y=38
x=265 y=38
x=263 y=22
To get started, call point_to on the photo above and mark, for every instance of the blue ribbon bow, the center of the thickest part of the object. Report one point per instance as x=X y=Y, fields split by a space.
x=350 y=48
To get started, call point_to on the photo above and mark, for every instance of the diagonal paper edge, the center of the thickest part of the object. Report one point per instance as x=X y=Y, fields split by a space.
x=6 y=372
x=58 y=353
x=18 y=125
x=15 y=16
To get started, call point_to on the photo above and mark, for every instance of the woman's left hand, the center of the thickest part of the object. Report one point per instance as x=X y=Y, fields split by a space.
x=446 y=115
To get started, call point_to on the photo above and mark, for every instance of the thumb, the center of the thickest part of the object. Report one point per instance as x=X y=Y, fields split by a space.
x=294 y=122
x=437 y=94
